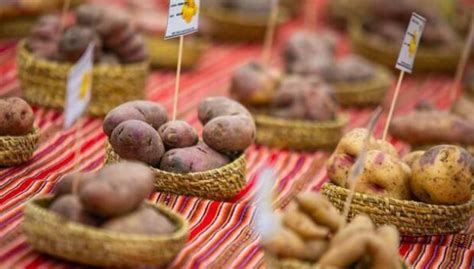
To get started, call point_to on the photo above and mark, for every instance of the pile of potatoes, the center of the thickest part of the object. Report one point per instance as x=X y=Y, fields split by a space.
x=16 y=117
x=112 y=199
x=314 y=231
x=116 y=39
x=440 y=175
x=140 y=130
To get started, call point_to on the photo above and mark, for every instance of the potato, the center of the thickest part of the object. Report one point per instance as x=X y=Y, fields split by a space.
x=71 y=208
x=65 y=184
x=384 y=175
x=352 y=142
x=147 y=111
x=178 y=134
x=285 y=244
x=314 y=249
x=74 y=42
x=390 y=236
x=136 y=140
x=89 y=15
x=213 y=107
x=412 y=157
x=338 y=168
x=303 y=225
x=320 y=210
x=192 y=159
x=135 y=43
x=442 y=176
x=145 y=220
x=229 y=133
x=360 y=223
x=44 y=36
x=16 y=117
x=117 y=189
x=141 y=54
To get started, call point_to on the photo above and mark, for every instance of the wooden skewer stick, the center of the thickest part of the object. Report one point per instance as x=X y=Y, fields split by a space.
x=462 y=62
x=66 y=5
x=392 y=106
x=269 y=34
x=178 y=77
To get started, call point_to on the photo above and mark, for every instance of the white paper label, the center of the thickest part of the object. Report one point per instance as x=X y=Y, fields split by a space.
x=79 y=84
x=406 y=58
x=183 y=18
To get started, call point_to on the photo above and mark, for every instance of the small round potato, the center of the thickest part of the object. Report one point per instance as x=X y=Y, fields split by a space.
x=178 y=134
x=136 y=140
x=229 y=133
x=71 y=208
x=213 y=107
x=74 y=42
x=16 y=117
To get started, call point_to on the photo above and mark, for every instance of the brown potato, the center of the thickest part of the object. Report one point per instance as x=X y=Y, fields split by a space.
x=442 y=176
x=192 y=159
x=147 y=111
x=71 y=208
x=320 y=210
x=136 y=140
x=229 y=133
x=117 y=189
x=74 y=42
x=178 y=134
x=412 y=157
x=89 y=15
x=303 y=225
x=65 y=184
x=16 y=117
x=213 y=107
x=144 y=220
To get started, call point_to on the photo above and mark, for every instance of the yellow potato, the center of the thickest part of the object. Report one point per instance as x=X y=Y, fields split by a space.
x=320 y=210
x=303 y=225
x=361 y=223
x=411 y=157
x=285 y=244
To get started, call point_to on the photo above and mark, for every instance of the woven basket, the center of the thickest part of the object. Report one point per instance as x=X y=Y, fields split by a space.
x=44 y=83
x=16 y=27
x=412 y=218
x=234 y=26
x=219 y=184
x=298 y=134
x=164 y=53
x=386 y=53
x=53 y=234
x=15 y=150
x=363 y=93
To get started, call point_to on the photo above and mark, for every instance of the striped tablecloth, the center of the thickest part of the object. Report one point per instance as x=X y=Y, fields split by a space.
x=221 y=233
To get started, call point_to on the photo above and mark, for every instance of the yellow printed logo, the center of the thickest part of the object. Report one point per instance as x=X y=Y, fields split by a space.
x=189 y=10
x=85 y=84
x=412 y=45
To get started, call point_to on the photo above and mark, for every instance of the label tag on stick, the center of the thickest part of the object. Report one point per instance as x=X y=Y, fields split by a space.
x=79 y=84
x=183 y=18
x=406 y=58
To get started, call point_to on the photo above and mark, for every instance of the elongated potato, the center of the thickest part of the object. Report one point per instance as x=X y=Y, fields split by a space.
x=303 y=225
x=360 y=223
x=213 y=107
x=320 y=210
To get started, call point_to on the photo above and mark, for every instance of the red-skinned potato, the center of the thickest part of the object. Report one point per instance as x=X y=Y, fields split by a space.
x=65 y=184
x=71 y=208
x=178 y=134
x=16 y=117
x=117 y=189
x=89 y=15
x=228 y=134
x=213 y=107
x=136 y=140
x=74 y=42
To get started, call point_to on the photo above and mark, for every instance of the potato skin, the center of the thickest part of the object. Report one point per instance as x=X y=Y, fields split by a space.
x=229 y=133
x=74 y=42
x=89 y=15
x=152 y=113
x=144 y=220
x=16 y=117
x=70 y=207
x=117 y=189
x=136 y=140
x=192 y=159
x=178 y=134
x=213 y=107
x=442 y=176
x=65 y=184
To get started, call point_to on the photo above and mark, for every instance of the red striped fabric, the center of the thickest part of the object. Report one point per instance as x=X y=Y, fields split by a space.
x=221 y=232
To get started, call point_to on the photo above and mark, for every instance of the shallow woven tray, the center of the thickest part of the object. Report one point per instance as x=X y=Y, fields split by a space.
x=15 y=150
x=219 y=184
x=298 y=264
x=412 y=218
x=164 y=53
x=386 y=53
x=234 y=26
x=297 y=134
x=53 y=234
x=365 y=92
x=44 y=83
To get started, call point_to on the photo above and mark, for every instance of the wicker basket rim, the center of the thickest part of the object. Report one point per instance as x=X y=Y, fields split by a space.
x=468 y=205
x=195 y=174
x=196 y=44
x=381 y=79
x=35 y=208
x=316 y=265
x=340 y=120
x=356 y=32
x=235 y=17
x=98 y=68
x=34 y=133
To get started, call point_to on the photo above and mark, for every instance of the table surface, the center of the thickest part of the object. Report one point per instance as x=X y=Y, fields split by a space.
x=220 y=232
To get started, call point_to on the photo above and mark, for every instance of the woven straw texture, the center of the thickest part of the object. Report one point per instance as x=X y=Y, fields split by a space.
x=164 y=53
x=297 y=134
x=52 y=234
x=427 y=59
x=365 y=92
x=16 y=27
x=15 y=150
x=44 y=83
x=410 y=217
x=218 y=184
